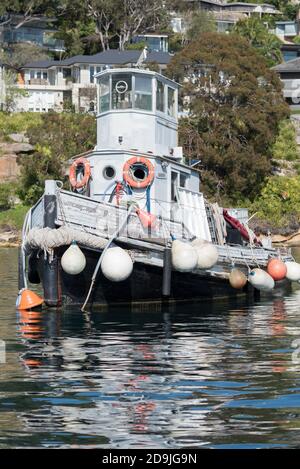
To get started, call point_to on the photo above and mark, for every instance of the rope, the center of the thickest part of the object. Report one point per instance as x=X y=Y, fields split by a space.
x=47 y=238
x=114 y=235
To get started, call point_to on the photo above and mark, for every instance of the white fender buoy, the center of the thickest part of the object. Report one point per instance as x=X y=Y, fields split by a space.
x=116 y=264
x=261 y=280
x=73 y=260
x=207 y=253
x=237 y=279
x=184 y=256
x=293 y=271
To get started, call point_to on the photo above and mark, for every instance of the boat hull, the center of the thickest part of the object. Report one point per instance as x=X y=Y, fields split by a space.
x=143 y=286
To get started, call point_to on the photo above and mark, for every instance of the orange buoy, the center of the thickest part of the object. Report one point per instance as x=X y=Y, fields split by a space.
x=277 y=269
x=237 y=279
x=147 y=219
x=27 y=299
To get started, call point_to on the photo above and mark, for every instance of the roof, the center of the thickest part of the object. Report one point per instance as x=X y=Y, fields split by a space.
x=159 y=57
x=117 y=57
x=108 y=57
x=290 y=66
x=42 y=64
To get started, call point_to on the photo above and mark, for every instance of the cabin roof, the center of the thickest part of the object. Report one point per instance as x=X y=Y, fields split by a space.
x=135 y=70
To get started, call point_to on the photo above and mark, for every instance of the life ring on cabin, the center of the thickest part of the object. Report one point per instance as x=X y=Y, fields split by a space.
x=138 y=172
x=73 y=173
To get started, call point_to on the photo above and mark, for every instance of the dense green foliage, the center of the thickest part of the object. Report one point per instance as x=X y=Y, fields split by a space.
x=57 y=138
x=279 y=201
x=18 y=122
x=199 y=22
x=234 y=109
x=255 y=31
x=14 y=217
x=7 y=191
x=285 y=146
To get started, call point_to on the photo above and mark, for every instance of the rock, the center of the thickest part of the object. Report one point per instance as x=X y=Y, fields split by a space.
x=290 y=241
x=21 y=148
x=15 y=148
x=9 y=237
x=19 y=138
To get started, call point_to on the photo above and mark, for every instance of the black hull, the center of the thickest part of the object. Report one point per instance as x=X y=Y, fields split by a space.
x=144 y=286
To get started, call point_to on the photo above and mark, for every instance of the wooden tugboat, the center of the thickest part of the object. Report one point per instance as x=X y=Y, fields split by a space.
x=136 y=214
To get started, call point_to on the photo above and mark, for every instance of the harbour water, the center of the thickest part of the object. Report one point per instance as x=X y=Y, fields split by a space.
x=223 y=375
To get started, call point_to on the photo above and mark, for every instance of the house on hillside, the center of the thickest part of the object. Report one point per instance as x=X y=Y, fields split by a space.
x=289 y=73
x=226 y=14
x=39 y=30
x=54 y=84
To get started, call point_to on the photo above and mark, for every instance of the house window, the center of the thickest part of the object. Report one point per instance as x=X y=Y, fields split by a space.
x=66 y=72
x=160 y=98
x=143 y=93
x=171 y=102
x=92 y=71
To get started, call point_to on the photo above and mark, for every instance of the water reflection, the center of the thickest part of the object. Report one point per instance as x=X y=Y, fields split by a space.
x=205 y=375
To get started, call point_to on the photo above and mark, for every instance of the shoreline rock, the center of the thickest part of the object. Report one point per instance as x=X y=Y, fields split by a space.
x=10 y=238
x=292 y=240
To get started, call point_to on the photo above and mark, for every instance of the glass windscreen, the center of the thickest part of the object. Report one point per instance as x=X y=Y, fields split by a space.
x=160 y=97
x=143 y=93
x=171 y=102
x=104 y=104
x=121 y=91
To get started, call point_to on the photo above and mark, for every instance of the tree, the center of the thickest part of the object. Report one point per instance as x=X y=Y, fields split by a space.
x=56 y=139
x=285 y=146
x=268 y=45
x=199 y=22
x=115 y=22
x=29 y=10
x=10 y=91
x=16 y=56
x=233 y=106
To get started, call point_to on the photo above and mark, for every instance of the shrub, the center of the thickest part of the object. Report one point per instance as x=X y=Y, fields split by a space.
x=285 y=146
x=279 y=200
x=18 y=122
x=6 y=196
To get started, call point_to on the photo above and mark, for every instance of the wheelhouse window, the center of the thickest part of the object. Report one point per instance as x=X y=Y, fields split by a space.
x=171 y=102
x=121 y=91
x=160 y=96
x=104 y=104
x=143 y=93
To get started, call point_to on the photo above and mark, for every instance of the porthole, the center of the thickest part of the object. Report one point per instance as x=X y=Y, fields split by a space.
x=109 y=172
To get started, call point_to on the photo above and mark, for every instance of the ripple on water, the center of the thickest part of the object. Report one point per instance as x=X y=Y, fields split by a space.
x=218 y=376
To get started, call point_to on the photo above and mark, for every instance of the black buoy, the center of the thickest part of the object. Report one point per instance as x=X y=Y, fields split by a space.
x=167 y=272
x=51 y=282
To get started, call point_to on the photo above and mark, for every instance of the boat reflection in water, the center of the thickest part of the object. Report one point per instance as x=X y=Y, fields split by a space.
x=123 y=379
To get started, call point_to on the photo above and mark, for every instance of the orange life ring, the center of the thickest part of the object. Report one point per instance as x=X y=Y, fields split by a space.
x=73 y=170
x=128 y=176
